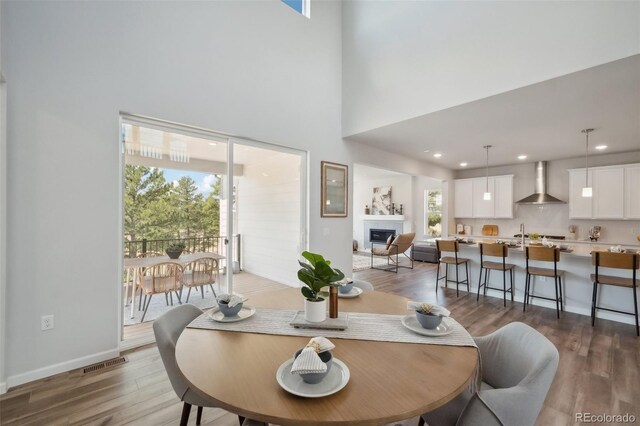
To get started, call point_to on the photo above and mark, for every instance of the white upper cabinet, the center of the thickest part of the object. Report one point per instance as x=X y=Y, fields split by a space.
x=463 y=194
x=503 y=205
x=469 y=199
x=616 y=193
x=608 y=193
x=632 y=192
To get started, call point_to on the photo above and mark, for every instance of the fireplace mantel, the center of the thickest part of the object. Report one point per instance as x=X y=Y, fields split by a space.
x=385 y=217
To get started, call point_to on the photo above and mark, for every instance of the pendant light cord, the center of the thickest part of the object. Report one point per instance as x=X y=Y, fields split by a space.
x=586 y=158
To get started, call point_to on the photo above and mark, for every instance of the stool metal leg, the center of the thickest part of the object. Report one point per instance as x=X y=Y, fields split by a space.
x=457 y=280
x=561 y=296
x=595 y=299
x=526 y=292
x=438 y=277
x=557 y=297
x=479 y=283
x=635 y=305
x=504 y=288
x=511 y=282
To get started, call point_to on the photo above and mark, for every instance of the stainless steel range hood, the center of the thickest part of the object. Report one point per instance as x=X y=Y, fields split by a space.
x=540 y=195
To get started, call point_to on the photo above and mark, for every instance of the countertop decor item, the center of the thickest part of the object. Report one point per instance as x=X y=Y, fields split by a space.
x=316 y=274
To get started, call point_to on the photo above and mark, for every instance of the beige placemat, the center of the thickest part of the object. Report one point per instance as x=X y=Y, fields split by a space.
x=362 y=326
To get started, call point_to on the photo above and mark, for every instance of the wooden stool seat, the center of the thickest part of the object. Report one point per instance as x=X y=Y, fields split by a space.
x=611 y=280
x=451 y=246
x=453 y=261
x=544 y=272
x=500 y=251
x=497 y=266
x=547 y=255
x=619 y=261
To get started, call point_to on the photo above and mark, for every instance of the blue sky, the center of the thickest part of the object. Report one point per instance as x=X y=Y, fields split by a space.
x=203 y=180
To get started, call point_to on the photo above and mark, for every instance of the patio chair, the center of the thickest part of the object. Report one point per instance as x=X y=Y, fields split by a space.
x=163 y=278
x=400 y=245
x=199 y=273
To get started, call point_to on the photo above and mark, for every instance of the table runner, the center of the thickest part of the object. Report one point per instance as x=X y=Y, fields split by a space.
x=362 y=326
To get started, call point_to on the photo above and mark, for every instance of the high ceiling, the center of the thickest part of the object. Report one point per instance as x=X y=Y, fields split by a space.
x=542 y=121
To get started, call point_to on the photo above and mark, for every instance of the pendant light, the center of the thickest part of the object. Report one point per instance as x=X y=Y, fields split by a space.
x=487 y=194
x=587 y=191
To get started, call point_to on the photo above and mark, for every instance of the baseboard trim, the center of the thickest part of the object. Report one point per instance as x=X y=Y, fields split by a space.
x=148 y=338
x=3 y=388
x=41 y=373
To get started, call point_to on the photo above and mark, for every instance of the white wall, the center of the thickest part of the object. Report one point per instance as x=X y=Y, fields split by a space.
x=367 y=155
x=403 y=59
x=554 y=219
x=255 y=69
x=401 y=193
x=269 y=217
x=3 y=216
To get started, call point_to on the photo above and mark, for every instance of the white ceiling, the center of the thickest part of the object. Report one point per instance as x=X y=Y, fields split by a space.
x=542 y=121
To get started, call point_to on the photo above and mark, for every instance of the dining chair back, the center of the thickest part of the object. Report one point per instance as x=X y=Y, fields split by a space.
x=449 y=246
x=621 y=261
x=518 y=367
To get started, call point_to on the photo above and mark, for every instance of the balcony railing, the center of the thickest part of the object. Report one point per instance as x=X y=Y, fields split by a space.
x=214 y=244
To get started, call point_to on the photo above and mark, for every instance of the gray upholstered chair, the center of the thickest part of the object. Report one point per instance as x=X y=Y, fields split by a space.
x=363 y=285
x=518 y=366
x=167 y=329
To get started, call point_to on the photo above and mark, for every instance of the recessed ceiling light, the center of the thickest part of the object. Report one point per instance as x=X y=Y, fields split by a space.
x=522 y=157
x=213 y=143
x=426 y=150
x=265 y=174
x=463 y=164
x=437 y=155
x=601 y=147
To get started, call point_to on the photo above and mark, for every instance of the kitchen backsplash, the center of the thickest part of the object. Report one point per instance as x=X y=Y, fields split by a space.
x=553 y=219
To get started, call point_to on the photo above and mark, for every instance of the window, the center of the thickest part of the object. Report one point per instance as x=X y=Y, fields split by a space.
x=433 y=212
x=303 y=7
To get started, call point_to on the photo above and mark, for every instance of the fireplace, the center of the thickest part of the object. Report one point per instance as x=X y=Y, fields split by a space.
x=380 y=235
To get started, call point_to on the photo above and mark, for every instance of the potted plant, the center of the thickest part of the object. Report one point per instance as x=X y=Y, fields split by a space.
x=535 y=238
x=316 y=274
x=174 y=250
x=427 y=318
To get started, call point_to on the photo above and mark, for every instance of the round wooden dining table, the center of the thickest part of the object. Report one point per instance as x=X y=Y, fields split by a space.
x=389 y=381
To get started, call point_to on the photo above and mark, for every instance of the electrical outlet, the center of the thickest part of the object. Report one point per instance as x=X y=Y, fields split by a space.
x=46 y=322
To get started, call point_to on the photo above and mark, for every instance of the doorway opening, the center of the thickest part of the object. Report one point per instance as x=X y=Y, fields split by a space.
x=233 y=209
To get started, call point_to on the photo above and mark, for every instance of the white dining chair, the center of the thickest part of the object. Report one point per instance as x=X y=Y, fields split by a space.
x=518 y=366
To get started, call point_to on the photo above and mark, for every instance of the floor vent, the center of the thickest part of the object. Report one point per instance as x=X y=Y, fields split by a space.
x=105 y=364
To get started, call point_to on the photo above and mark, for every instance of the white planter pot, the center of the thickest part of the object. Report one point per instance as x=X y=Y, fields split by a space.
x=315 y=311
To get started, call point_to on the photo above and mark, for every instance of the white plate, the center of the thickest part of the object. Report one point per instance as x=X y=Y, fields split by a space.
x=244 y=313
x=355 y=292
x=335 y=380
x=411 y=322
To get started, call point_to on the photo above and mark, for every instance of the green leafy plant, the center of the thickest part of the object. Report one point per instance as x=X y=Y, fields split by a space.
x=317 y=274
x=179 y=246
x=534 y=236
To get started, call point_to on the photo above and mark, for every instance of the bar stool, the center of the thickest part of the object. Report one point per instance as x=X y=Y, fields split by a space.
x=501 y=251
x=451 y=246
x=544 y=254
x=625 y=261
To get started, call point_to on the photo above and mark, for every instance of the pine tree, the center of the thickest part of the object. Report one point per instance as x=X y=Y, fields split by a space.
x=145 y=196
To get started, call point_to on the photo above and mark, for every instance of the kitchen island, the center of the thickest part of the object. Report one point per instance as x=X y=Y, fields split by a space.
x=577 y=286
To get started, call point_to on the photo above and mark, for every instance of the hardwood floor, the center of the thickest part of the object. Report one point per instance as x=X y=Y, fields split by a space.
x=599 y=368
